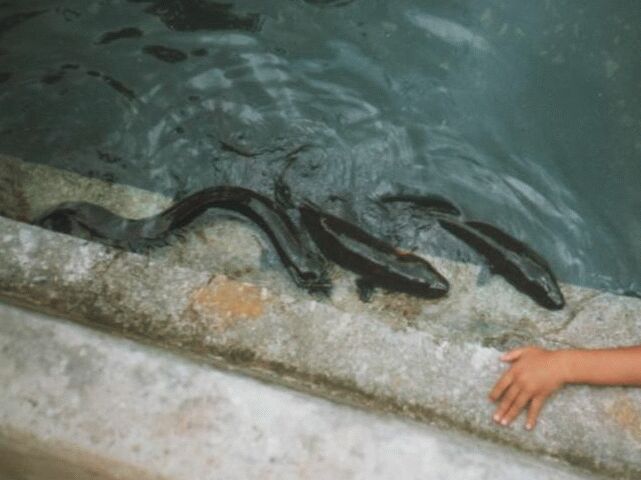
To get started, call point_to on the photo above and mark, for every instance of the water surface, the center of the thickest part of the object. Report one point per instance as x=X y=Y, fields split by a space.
x=527 y=115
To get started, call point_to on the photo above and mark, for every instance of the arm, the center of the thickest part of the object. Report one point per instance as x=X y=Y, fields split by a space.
x=614 y=366
x=536 y=373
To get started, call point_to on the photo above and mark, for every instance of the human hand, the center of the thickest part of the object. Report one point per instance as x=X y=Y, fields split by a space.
x=534 y=375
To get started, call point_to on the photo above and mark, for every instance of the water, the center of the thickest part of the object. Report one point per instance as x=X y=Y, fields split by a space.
x=526 y=115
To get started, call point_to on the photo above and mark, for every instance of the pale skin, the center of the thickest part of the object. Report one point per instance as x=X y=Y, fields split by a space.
x=535 y=373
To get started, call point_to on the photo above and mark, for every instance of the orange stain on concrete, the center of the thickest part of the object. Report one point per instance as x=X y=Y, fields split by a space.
x=227 y=301
x=627 y=415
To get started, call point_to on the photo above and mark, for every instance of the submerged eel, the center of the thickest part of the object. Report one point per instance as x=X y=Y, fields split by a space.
x=431 y=203
x=521 y=266
x=295 y=249
x=378 y=263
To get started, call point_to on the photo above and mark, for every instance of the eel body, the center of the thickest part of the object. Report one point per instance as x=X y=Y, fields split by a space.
x=378 y=263
x=522 y=267
x=431 y=203
x=295 y=249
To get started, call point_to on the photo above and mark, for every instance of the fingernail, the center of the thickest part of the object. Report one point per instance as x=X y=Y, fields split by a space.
x=504 y=422
x=528 y=426
x=496 y=417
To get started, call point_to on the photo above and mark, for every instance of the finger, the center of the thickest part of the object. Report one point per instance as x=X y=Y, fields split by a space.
x=512 y=354
x=501 y=385
x=506 y=403
x=515 y=408
x=533 y=412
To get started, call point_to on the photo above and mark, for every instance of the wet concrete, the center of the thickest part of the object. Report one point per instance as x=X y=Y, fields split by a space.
x=218 y=294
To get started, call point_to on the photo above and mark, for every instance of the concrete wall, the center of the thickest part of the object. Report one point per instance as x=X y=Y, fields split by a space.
x=83 y=405
x=212 y=295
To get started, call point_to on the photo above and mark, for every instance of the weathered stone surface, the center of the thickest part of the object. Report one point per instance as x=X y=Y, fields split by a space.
x=434 y=360
x=28 y=189
x=82 y=405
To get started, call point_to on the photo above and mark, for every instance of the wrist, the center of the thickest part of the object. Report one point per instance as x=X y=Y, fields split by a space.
x=564 y=364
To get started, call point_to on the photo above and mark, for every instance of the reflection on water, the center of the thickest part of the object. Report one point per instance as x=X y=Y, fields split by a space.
x=526 y=115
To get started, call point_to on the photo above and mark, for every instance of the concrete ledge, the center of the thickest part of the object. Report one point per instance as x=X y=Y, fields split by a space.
x=87 y=406
x=210 y=295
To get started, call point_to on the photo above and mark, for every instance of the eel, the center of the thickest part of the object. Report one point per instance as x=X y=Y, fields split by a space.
x=521 y=266
x=377 y=263
x=431 y=203
x=294 y=247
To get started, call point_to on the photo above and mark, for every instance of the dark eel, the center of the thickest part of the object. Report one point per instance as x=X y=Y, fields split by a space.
x=295 y=249
x=431 y=203
x=522 y=267
x=378 y=263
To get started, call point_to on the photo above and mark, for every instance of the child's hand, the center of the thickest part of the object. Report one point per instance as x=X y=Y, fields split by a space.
x=534 y=375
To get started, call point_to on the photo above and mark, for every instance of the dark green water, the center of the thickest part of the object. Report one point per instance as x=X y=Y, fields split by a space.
x=525 y=114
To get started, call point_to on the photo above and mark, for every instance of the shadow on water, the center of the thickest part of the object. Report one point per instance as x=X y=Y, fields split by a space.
x=12 y=21
x=192 y=15
x=127 y=32
x=329 y=3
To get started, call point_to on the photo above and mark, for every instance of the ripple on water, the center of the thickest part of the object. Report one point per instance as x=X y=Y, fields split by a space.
x=456 y=99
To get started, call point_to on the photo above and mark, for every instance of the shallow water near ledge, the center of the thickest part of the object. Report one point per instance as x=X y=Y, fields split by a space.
x=525 y=116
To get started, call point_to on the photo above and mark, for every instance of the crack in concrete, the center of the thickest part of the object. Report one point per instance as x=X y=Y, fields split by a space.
x=576 y=310
x=101 y=267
